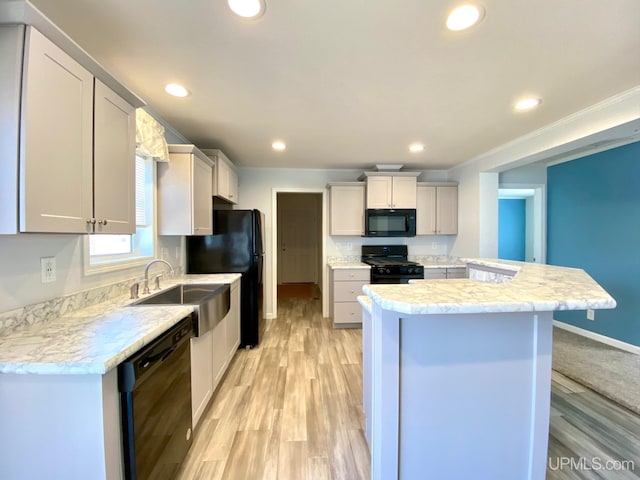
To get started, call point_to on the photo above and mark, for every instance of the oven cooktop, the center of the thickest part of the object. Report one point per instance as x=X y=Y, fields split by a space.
x=389 y=264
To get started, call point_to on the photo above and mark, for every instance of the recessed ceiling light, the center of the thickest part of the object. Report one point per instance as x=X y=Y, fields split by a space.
x=176 y=90
x=416 y=147
x=464 y=16
x=527 y=103
x=247 y=8
x=278 y=146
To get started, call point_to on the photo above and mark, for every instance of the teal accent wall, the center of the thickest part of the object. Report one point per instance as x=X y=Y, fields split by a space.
x=512 y=228
x=593 y=223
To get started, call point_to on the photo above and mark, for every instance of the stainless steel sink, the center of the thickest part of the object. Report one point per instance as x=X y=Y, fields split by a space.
x=211 y=302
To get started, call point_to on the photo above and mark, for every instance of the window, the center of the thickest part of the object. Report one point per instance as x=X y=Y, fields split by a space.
x=111 y=252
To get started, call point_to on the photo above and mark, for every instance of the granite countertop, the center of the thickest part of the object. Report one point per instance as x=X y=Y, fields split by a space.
x=534 y=287
x=337 y=264
x=95 y=339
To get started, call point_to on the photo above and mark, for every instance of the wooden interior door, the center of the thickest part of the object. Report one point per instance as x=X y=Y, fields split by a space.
x=297 y=239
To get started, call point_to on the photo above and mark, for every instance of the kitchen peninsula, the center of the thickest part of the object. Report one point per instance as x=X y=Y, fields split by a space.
x=59 y=391
x=457 y=373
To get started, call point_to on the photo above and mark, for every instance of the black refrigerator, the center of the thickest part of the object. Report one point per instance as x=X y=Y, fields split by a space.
x=235 y=247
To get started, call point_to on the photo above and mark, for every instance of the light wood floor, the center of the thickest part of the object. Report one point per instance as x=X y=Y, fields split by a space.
x=291 y=409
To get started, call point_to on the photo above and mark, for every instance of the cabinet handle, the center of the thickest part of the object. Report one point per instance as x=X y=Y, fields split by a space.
x=91 y=221
x=102 y=222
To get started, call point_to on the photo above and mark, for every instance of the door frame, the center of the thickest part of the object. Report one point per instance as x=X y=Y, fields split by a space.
x=274 y=243
x=539 y=215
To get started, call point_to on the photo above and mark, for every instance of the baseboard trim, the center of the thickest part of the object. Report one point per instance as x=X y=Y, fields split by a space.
x=628 y=347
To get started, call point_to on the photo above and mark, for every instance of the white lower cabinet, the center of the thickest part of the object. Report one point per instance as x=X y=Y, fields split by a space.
x=346 y=285
x=211 y=354
x=445 y=273
x=201 y=374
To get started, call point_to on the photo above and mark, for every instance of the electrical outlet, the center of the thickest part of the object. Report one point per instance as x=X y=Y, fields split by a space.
x=164 y=253
x=591 y=314
x=48 y=269
x=349 y=246
x=434 y=245
x=177 y=253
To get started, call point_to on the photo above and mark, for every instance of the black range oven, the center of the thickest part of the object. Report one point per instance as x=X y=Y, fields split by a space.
x=389 y=264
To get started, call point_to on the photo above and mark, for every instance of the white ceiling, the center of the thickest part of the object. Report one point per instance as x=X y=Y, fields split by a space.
x=351 y=83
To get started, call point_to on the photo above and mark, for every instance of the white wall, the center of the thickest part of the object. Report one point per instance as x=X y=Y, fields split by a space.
x=256 y=187
x=20 y=280
x=534 y=174
x=611 y=121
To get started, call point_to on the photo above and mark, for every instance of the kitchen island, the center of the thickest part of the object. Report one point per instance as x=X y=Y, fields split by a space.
x=457 y=373
x=59 y=397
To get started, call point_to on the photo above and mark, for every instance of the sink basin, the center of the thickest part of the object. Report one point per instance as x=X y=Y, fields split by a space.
x=211 y=302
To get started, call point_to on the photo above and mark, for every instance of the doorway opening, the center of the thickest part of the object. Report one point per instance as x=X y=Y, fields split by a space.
x=299 y=244
x=521 y=229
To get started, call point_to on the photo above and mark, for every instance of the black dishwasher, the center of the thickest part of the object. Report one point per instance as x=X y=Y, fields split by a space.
x=155 y=400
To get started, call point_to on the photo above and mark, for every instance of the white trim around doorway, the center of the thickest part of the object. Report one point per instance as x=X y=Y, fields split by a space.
x=274 y=243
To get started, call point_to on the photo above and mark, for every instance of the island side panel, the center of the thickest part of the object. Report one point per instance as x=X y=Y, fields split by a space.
x=52 y=426
x=367 y=377
x=385 y=356
x=474 y=396
x=539 y=453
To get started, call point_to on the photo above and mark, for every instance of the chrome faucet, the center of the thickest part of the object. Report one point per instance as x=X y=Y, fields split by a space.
x=146 y=272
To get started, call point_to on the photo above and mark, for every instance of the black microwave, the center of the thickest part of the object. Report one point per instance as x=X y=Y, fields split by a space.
x=390 y=222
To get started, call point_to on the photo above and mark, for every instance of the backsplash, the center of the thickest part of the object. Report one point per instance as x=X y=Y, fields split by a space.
x=57 y=307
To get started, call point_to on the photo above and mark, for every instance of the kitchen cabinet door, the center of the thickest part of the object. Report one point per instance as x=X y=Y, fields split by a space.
x=379 y=191
x=233 y=321
x=391 y=192
x=201 y=374
x=222 y=178
x=435 y=273
x=437 y=210
x=184 y=193
x=114 y=163
x=447 y=210
x=202 y=197
x=219 y=354
x=56 y=154
x=403 y=192
x=233 y=187
x=347 y=209
x=426 y=210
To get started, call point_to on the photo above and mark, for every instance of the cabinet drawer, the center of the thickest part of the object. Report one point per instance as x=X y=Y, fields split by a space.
x=347 y=291
x=457 y=272
x=363 y=274
x=347 y=312
x=435 y=273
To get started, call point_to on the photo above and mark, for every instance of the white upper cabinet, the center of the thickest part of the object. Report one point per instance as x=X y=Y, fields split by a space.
x=225 y=178
x=391 y=191
x=184 y=193
x=346 y=203
x=67 y=151
x=56 y=141
x=114 y=189
x=437 y=210
x=379 y=192
x=426 y=210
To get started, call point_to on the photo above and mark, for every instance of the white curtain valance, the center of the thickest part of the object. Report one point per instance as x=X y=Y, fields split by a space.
x=150 y=141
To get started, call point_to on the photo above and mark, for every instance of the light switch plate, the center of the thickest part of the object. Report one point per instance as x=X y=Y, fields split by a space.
x=591 y=314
